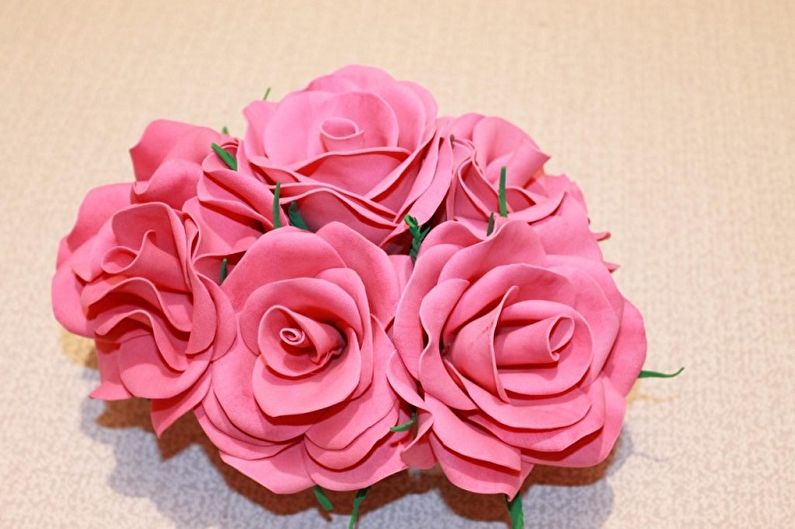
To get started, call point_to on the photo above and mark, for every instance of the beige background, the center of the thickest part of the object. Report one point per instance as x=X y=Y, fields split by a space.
x=676 y=118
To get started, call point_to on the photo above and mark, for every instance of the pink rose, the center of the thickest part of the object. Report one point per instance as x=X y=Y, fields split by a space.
x=124 y=277
x=521 y=357
x=355 y=146
x=232 y=209
x=554 y=205
x=302 y=397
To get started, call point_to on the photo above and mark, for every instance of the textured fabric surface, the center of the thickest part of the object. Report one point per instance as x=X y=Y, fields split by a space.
x=675 y=117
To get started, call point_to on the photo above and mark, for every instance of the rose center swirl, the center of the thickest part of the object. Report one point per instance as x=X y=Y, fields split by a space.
x=341 y=134
x=293 y=344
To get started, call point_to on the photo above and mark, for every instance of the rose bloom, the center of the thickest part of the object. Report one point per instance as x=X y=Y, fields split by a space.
x=355 y=146
x=233 y=208
x=513 y=357
x=126 y=277
x=302 y=397
x=554 y=205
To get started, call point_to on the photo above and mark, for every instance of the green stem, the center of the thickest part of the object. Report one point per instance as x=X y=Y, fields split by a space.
x=516 y=511
x=357 y=505
x=228 y=159
x=418 y=234
x=657 y=374
x=224 y=271
x=277 y=211
x=406 y=425
x=490 y=227
x=295 y=216
x=322 y=499
x=503 y=182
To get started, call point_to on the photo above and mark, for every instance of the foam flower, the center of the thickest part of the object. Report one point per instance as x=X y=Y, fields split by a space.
x=486 y=146
x=355 y=146
x=513 y=356
x=302 y=397
x=124 y=278
x=232 y=209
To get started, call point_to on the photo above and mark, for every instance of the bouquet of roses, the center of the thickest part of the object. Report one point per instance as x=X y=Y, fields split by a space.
x=355 y=287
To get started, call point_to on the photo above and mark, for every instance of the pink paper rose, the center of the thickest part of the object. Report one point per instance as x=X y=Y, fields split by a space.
x=302 y=397
x=125 y=278
x=554 y=205
x=513 y=357
x=355 y=146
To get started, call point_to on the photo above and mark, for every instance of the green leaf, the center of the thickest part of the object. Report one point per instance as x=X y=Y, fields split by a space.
x=516 y=511
x=503 y=203
x=357 y=504
x=295 y=216
x=225 y=131
x=418 y=234
x=322 y=499
x=490 y=227
x=277 y=211
x=657 y=374
x=267 y=93
x=228 y=159
x=406 y=425
x=224 y=271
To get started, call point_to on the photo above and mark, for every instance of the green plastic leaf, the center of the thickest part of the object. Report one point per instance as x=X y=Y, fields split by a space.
x=406 y=425
x=357 y=504
x=277 y=211
x=503 y=180
x=418 y=234
x=490 y=227
x=322 y=499
x=224 y=271
x=228 y=159
x=657 y=374
x=295 y=217
x=225 y=131
x=267 y=93
x=516 y=511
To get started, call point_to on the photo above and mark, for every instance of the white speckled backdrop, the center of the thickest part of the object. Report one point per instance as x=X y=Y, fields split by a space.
x=677 y=118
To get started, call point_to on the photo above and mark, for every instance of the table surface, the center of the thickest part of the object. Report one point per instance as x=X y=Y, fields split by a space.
x=677 y=119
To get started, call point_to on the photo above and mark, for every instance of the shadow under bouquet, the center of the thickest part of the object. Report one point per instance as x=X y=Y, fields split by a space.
x=354 y=287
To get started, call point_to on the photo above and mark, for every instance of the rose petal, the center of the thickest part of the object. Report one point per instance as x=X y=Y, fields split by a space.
x=165 y=140
x=371 y=264
x=145 y=375
x=514 y=243
x=477 y=475
x=541 y=413
x=232 y=386
x=383 y=461
x=280 y=254
x=278 y=396
x=111 y=386
x=432 y=372
x=629 y=351
x=283 y=473
x=461 y=437
x=166 y=412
